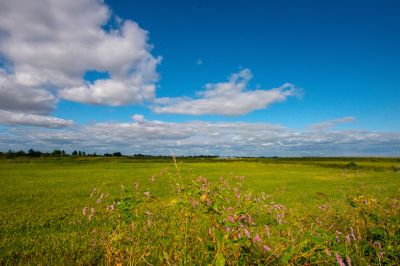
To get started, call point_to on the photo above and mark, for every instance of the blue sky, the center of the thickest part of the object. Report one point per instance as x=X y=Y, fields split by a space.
x=340 y=61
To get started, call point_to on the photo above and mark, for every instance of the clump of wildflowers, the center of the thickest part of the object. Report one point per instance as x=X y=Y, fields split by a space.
x=204 y=222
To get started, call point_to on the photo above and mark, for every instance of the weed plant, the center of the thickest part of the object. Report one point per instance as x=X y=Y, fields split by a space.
x=178 y=220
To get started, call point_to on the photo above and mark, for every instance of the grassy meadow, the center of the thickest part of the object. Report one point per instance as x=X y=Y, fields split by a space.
x=292 y=211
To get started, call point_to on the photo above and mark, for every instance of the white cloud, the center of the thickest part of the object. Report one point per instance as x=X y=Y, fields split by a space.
x=110 y=92
x=49 y=45
x=332 y=123
x=229 y=98
x=138 y=118
x=13 y=118
x=21 y=98
x=188 y=138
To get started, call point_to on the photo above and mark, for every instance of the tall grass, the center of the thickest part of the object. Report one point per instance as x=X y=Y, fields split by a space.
x=177 y=219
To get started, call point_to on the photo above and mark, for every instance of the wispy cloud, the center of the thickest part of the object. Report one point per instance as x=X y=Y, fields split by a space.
x=332 y=123
x=230 y=98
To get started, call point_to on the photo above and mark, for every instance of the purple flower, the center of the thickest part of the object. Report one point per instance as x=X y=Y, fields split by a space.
x=267 y=230
x=227 y=229
x=100 y=199
x=337 y=236
x=339 y=260
x=348 y=238
x=256 y=239
x=230 y=218
x=246 y=232
x=266 y=248
x=348 y=260
x=352 y=233
x=250 y=219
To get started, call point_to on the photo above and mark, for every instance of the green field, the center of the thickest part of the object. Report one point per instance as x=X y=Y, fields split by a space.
x=41 y=219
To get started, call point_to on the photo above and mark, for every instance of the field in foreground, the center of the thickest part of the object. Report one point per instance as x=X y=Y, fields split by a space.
x=99 y=211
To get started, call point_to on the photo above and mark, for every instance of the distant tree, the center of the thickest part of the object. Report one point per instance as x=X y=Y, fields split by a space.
x=20 y=153
x=33 y=153
x=56 y=153
x=74 y=153
x=9 y=154
x=80 y=153
x=117 y=154
x=107 y=154
x=62 y=153
x=83 y=153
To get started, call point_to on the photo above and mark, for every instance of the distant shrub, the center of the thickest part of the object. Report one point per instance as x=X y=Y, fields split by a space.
x=351 y=165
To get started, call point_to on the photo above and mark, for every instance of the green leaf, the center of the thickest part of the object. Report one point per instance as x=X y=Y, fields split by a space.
x=286 y=256
x=220 y=260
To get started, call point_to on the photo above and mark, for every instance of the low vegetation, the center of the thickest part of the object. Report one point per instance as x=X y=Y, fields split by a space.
x=222 y=212
x=220 y=223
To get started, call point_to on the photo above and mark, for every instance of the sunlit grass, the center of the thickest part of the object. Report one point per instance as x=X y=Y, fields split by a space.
x=42 y=222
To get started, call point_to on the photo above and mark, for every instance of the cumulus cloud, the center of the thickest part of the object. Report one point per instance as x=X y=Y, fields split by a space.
x=21 y=98
x=23 y=105
x=50 y=44
x=12 y=118
x=56 y=42
x=229 y=98
x=188 y=138
x=110 y=92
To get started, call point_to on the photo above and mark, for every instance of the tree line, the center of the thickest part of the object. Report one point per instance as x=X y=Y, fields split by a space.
x=31 y=153
x=55 y=153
